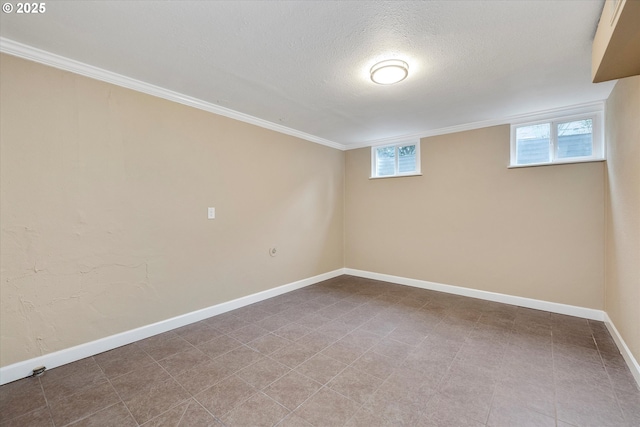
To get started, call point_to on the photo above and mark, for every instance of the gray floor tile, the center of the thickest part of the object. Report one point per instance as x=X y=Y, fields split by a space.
x=347 y=351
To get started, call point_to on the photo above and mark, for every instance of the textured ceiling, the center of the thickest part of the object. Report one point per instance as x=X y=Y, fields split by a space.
x=304 y=65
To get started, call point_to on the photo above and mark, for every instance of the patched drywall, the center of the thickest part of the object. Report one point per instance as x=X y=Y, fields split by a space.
x=469 y=221
x=623 y=211
x=104 y=209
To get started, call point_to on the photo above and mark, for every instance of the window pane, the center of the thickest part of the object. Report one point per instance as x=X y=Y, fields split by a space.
x=407 y=158
x=385 y=161
x=532 y=144
x=575 y=139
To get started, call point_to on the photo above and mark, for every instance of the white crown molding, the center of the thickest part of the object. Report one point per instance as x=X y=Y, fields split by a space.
x=588 y=107
x=22 y=369
x=30 y=53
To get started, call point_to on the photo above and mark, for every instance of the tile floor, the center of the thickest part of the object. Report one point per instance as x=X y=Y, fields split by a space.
x=347 y=351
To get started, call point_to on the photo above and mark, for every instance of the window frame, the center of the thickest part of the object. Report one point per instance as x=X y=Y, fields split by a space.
x=597 y=139
x=397 y=174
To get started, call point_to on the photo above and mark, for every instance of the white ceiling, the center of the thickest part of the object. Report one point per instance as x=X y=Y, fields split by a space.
x=304 y=64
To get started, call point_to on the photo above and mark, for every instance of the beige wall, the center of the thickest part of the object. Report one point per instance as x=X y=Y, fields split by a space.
x=104 y=194
x=104 y=197
x=622 y=301
x=469 y=221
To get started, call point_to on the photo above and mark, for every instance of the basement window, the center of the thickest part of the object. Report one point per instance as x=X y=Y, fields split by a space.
x=389 y=161
x=569 y=139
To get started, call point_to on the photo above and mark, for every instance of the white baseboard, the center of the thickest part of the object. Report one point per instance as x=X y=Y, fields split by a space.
x=52 y=360
x=634 y=367
x=554 y=307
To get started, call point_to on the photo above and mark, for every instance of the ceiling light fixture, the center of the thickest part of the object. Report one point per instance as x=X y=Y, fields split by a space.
x=389 y=72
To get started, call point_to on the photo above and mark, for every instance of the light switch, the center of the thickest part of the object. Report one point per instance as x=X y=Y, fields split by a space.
x=211 y=213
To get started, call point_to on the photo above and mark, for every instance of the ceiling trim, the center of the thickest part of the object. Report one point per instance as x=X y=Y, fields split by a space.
x=587 y=107
x=30 y=53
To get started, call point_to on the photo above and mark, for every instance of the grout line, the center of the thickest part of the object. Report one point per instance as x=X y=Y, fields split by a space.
x=386 y=336
x=450 y=309
x=208 y=412
x=46 y=401
x=92 y=414
x=325 y=385
x=108 y=380
x=611 y=382
x=120 y=397
x=50 y=414
x=278 y=403
x=181 y=416
x=553 y=371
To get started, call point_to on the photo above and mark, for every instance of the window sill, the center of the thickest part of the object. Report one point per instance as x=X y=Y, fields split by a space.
x=566 y=162
x=395 y=176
